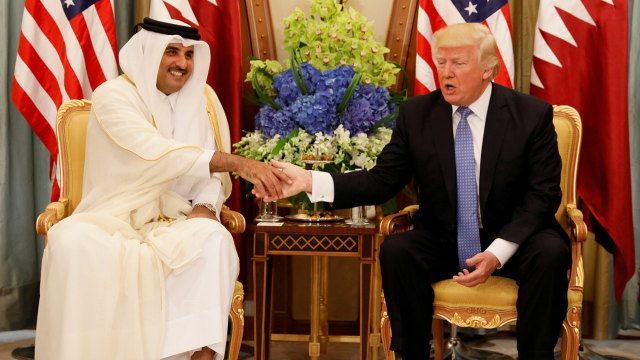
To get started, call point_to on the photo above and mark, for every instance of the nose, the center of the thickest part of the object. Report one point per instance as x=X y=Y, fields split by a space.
x=181 y=61
x=447 y=69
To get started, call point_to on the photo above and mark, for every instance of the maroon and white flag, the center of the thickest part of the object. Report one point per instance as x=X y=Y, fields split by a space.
x=581 y=59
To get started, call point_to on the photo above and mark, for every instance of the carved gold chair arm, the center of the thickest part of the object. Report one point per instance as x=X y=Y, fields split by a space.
x=398 y=222
x=578 y=226
x=53 y=213
x=578 y=236
x=232 y=220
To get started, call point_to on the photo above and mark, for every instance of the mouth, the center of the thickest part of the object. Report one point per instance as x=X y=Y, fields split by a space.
x=177 y=72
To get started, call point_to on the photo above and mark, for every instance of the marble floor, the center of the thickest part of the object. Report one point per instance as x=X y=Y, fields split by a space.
x=501 y=342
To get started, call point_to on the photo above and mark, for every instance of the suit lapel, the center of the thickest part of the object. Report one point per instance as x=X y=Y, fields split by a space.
x=494 y=130
x=442 y=130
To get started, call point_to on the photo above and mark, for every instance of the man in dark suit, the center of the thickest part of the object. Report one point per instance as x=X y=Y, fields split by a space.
x=487 y=171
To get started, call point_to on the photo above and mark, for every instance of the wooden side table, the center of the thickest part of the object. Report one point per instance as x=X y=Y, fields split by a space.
x=318 y=240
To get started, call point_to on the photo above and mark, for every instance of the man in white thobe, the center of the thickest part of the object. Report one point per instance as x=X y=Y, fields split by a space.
x=143 y=269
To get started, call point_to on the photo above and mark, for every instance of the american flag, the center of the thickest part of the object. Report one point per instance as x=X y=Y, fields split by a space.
x=436 y=14
x=67 y=48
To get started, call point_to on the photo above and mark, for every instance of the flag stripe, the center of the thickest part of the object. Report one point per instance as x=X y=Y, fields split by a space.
x=41 y=16
x=46 y=79
x=35 y=118
x=436 y=14
x=36 y=93
x=79 y=26
x=105 y=15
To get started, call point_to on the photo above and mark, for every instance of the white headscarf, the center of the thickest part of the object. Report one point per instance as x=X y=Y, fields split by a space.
x=140 y=60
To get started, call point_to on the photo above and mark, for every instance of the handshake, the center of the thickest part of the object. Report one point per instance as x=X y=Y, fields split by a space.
x=280 y=180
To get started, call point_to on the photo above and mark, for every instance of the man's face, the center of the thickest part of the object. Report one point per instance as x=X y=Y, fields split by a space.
x=462 y=80
x=175 y=69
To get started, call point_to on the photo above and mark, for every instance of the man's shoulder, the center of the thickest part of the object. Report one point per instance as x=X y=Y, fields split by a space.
x=419 y=105
x=119 y=86
x=517 y=98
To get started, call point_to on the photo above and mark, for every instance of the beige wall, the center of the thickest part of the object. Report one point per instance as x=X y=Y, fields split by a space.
x=378 y=11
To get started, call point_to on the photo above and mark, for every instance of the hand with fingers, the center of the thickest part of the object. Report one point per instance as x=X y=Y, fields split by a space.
x=485 y=264
x=301 y=179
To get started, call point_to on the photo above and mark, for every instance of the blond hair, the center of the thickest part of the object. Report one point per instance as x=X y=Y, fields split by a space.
x=470 y=34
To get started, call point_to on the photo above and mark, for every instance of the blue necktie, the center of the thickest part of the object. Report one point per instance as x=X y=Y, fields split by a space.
x=468 y=232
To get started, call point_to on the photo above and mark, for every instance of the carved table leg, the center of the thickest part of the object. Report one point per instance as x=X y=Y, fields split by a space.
x=324 y=299
x=262 y=297
x=314 y=337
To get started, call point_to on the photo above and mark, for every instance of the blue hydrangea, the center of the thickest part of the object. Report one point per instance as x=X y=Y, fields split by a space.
x=317 y=110
x=272 y=122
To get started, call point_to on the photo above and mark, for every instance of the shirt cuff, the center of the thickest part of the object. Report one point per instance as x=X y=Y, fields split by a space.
x=211 y=193
x=200 y=168
x=321 y=187
x=503 y=250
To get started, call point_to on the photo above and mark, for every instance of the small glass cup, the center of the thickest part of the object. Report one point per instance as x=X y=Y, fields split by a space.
x=269 y=211
x=358 y=216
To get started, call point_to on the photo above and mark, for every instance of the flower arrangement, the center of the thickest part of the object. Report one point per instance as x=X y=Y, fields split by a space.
x=330 y=97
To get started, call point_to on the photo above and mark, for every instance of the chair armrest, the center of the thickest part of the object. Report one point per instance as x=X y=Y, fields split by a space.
x=53 y=213
x=578 y=236
x=398 y=222
x=232 y=220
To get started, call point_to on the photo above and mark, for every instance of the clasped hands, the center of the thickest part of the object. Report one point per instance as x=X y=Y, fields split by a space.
x=291 y=180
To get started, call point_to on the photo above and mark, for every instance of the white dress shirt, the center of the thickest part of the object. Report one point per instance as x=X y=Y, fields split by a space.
x=323 y=187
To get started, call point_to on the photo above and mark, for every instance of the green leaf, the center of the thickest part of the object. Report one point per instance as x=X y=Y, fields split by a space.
x=386 y=120
x=347 y=95
x=260 y=94
x=298 y=78
x=405 y=79
x=282 y=142
x=390 y=207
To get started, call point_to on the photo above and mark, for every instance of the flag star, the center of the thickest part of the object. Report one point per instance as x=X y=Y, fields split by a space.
x=471 y=8
x=214 y=2
x=69 y=3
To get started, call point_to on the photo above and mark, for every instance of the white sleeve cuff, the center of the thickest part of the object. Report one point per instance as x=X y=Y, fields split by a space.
x=321 y=187
x=211 y=193
x=200 y=168
x=503 y=250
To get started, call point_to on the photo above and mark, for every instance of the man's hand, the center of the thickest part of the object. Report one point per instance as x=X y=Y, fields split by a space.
x=301 y=179
x=202 y=212
x=266 y=179
x=485 y=262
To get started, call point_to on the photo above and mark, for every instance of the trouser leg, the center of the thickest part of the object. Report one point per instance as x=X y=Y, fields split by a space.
x=409 y=263
x=540 y=268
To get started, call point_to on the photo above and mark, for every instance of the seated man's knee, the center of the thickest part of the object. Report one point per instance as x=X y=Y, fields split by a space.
x=396 y=247
x=553 y=250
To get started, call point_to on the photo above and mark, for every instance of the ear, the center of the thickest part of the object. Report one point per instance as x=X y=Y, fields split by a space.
x=486 y=74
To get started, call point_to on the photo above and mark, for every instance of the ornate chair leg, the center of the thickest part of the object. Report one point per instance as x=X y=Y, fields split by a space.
x=437 y=329
x=385 y=330
x=237 y=321
x=571 y=334
x=456 y=349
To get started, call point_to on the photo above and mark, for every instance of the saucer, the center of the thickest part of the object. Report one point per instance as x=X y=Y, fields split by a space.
x=271 y=219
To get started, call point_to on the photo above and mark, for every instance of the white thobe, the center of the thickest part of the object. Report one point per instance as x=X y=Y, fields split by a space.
x=118 y=283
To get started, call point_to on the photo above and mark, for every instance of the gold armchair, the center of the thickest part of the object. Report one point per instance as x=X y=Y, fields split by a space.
x=493 y=303
x=71 y=130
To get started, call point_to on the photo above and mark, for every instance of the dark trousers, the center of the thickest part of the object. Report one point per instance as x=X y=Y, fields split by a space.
x=412 y=260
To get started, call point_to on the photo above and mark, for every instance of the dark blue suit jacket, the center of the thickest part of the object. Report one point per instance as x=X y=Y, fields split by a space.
x=519 y=172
